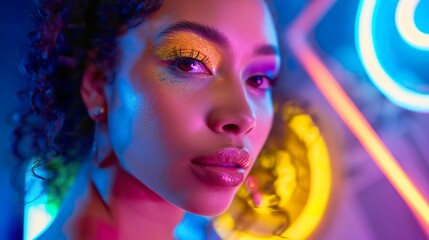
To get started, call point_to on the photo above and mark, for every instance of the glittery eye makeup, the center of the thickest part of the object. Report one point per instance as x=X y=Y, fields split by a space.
x=262 y=74
x=186 y=52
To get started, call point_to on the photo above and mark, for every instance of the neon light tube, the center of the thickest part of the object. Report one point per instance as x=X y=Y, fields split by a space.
x=404 y=19
x=396 y=93
x=346 y=109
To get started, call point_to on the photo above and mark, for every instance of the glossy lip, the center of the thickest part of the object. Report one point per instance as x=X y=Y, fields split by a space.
x=225 y=168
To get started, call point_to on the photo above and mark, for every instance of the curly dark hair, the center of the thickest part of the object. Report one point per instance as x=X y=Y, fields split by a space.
x=53 y=122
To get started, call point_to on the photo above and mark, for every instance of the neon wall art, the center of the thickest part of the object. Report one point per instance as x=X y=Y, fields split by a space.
x=343 y=105
x=393 y=90
x=405 y=21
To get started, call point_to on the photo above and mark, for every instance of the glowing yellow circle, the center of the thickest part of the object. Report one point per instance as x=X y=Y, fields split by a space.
x=295 y=192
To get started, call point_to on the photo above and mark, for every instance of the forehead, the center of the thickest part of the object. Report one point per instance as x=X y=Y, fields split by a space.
x=244 y=22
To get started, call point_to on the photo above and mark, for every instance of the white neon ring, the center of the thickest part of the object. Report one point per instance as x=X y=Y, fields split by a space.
x=404 y=19
x=396 y=93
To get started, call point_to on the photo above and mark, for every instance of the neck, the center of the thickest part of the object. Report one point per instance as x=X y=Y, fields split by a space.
x=117 y=206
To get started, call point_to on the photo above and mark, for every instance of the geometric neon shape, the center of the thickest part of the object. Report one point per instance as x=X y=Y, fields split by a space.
x=327 y=84
x=404 y=19
x=394 y=91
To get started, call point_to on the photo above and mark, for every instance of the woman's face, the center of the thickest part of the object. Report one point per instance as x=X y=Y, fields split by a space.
x=191 y=106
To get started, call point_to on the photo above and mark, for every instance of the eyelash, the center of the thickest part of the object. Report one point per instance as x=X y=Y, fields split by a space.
x=272 y=82
x=179 y=55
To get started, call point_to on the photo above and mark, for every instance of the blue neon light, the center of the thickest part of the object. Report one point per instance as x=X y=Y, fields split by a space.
x=395 y=92
x=404 y=19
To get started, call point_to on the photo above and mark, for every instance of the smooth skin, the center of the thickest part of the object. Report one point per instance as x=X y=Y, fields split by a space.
x=166 y=106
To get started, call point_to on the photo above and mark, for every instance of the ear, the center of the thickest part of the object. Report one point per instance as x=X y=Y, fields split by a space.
x=92 y=93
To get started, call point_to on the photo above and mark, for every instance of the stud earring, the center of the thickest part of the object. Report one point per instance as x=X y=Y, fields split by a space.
x=97 y=113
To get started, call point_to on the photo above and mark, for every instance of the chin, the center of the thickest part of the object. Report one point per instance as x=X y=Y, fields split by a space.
x=209 y=206
x=209 y=211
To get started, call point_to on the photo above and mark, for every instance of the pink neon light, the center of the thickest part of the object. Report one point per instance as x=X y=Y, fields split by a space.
x=352 y=117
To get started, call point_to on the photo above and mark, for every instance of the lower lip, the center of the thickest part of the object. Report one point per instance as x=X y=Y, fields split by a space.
x=219 y=175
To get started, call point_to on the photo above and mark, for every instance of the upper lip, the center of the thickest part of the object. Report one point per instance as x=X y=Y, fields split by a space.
x=228 y=157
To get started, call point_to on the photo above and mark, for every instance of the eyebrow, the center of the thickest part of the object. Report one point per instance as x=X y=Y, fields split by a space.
x=267 y=49
x=214 y=35
x=208 y=32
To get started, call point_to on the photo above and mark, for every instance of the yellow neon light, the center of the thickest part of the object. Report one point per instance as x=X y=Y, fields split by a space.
x=296 y=180
x=349 y=112
x=318 y=157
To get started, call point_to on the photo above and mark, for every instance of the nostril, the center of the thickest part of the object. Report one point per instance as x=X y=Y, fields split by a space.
x=232 y=128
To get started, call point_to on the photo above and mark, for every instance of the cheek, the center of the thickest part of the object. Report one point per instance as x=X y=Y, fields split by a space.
x=146 y=129
x=264 y=120
x=265 y=114
x=128 y=117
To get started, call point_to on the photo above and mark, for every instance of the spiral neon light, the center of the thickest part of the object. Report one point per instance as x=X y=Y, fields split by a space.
x=344 y=106
x=404 y=19
x=396 y=93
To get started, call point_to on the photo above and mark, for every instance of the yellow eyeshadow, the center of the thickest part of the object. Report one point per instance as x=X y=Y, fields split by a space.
x=190 y=45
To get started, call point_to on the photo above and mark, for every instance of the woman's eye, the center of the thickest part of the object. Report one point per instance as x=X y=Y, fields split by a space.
x=189 y=65
x=260 y=82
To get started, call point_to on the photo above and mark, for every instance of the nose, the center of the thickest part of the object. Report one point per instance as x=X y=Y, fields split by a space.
x=233 y=114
